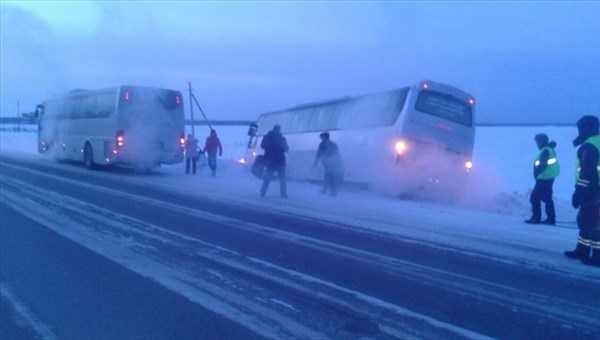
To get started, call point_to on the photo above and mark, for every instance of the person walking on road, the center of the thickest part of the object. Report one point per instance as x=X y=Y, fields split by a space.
x=211 y=147
x=545 y=169
x=275 y=146
x=329 y=156
x=191 y=154
x=586 y=197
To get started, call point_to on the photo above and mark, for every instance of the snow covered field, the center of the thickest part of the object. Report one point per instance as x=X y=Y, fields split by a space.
x=503 y=157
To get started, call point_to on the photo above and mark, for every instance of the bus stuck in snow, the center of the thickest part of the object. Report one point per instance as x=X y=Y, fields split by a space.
x=402 y=140
x=135 y=126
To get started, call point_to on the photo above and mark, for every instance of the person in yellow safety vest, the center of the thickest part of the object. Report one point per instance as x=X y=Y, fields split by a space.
x=545 y=169
x=587 y=192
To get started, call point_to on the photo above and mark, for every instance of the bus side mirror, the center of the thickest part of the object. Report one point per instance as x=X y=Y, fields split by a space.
x=39 y=111
x=252 y=130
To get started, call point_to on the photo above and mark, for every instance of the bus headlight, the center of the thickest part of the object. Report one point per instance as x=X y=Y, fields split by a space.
x=468 y=165
x=401 y=147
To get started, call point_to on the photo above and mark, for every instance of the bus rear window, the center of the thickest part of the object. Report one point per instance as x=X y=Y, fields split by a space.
x=170 y=100
x=445 y=107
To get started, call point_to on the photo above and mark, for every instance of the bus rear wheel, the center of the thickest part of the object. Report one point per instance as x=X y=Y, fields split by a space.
x=88 y=157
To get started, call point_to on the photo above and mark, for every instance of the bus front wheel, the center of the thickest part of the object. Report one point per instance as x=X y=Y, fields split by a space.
x=88 y=157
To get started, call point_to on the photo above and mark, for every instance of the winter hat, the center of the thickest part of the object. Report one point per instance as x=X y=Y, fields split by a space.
x=542 y=138
x=588 y=126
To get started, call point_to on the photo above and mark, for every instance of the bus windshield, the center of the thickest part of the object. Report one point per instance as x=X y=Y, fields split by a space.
x=444 y=106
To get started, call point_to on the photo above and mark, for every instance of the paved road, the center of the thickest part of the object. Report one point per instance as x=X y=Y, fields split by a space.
x=97 y=254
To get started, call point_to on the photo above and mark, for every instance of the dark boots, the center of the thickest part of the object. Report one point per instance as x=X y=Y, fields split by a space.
x=581 y=252
x=594 y=260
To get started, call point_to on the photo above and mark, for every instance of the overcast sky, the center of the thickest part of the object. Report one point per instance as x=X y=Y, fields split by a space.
x=536 y=62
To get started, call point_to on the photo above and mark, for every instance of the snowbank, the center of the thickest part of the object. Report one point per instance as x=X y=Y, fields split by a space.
x=500 y=181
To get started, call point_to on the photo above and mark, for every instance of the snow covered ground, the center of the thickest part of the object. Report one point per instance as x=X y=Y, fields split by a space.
x=502 y=158
x=488 y=224
x=496 y=208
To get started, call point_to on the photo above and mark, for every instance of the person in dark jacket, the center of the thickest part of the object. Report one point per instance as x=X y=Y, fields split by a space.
x=191 y=154
x=587 y=192
x=275 y=146
x=211 y=147
x=329 y=156
x=545 y=169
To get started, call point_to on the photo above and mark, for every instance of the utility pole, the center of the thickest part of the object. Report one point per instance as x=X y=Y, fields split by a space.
x=191 y=109
x=18 y=115
x=202 y=112
x=192 y=97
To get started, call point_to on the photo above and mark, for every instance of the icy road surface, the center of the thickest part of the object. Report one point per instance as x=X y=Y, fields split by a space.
x=119 y=254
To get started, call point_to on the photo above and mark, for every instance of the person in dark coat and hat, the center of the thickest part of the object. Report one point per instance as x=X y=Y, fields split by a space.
x=587 y=192
x=329 y=156
x=275 y=146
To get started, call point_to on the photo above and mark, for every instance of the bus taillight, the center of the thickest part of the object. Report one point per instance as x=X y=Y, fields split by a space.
x=425 y=86
x=120 y=139
x=182 y=140
x=471 y=101
x=126 y=95
x=177 y=100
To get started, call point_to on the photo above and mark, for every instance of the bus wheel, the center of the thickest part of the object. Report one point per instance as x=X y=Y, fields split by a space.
x=88 y=157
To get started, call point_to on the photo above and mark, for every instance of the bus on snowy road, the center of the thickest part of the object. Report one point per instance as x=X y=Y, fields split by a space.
x=402 y=140
x=130 y=125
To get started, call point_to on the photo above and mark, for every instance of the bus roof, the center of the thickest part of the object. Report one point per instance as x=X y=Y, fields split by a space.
x=435 y=86
x=77 y=92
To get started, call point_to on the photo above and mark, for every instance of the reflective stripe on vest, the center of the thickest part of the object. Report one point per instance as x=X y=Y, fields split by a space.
x=595 y=141
x=552 y=169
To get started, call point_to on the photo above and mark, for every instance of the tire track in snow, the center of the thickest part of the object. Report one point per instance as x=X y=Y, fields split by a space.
x=25 y=317
x=494 y=293
x=65 y=211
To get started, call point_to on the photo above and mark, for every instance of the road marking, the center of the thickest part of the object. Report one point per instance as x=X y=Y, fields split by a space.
x=25 y=315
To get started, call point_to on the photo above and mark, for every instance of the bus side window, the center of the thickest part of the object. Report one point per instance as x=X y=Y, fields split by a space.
x=396 y=104
x=338 y=116
x=302 y=119
x=265 y=124
x=285 y=120
x=87 y=108
x=348 y=112
x=321 y=118
x=105 y=105
x=65 y=109
x=39 y=111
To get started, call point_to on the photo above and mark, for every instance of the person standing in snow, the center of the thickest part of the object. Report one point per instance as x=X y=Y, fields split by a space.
x=211 y=147
x=587 y=192
x=329 y=155
x=191 y=154
x=545 y=169
x=275 y=146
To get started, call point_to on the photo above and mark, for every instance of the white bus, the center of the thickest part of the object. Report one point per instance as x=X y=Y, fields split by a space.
x=129 y=125
x=402 y=140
